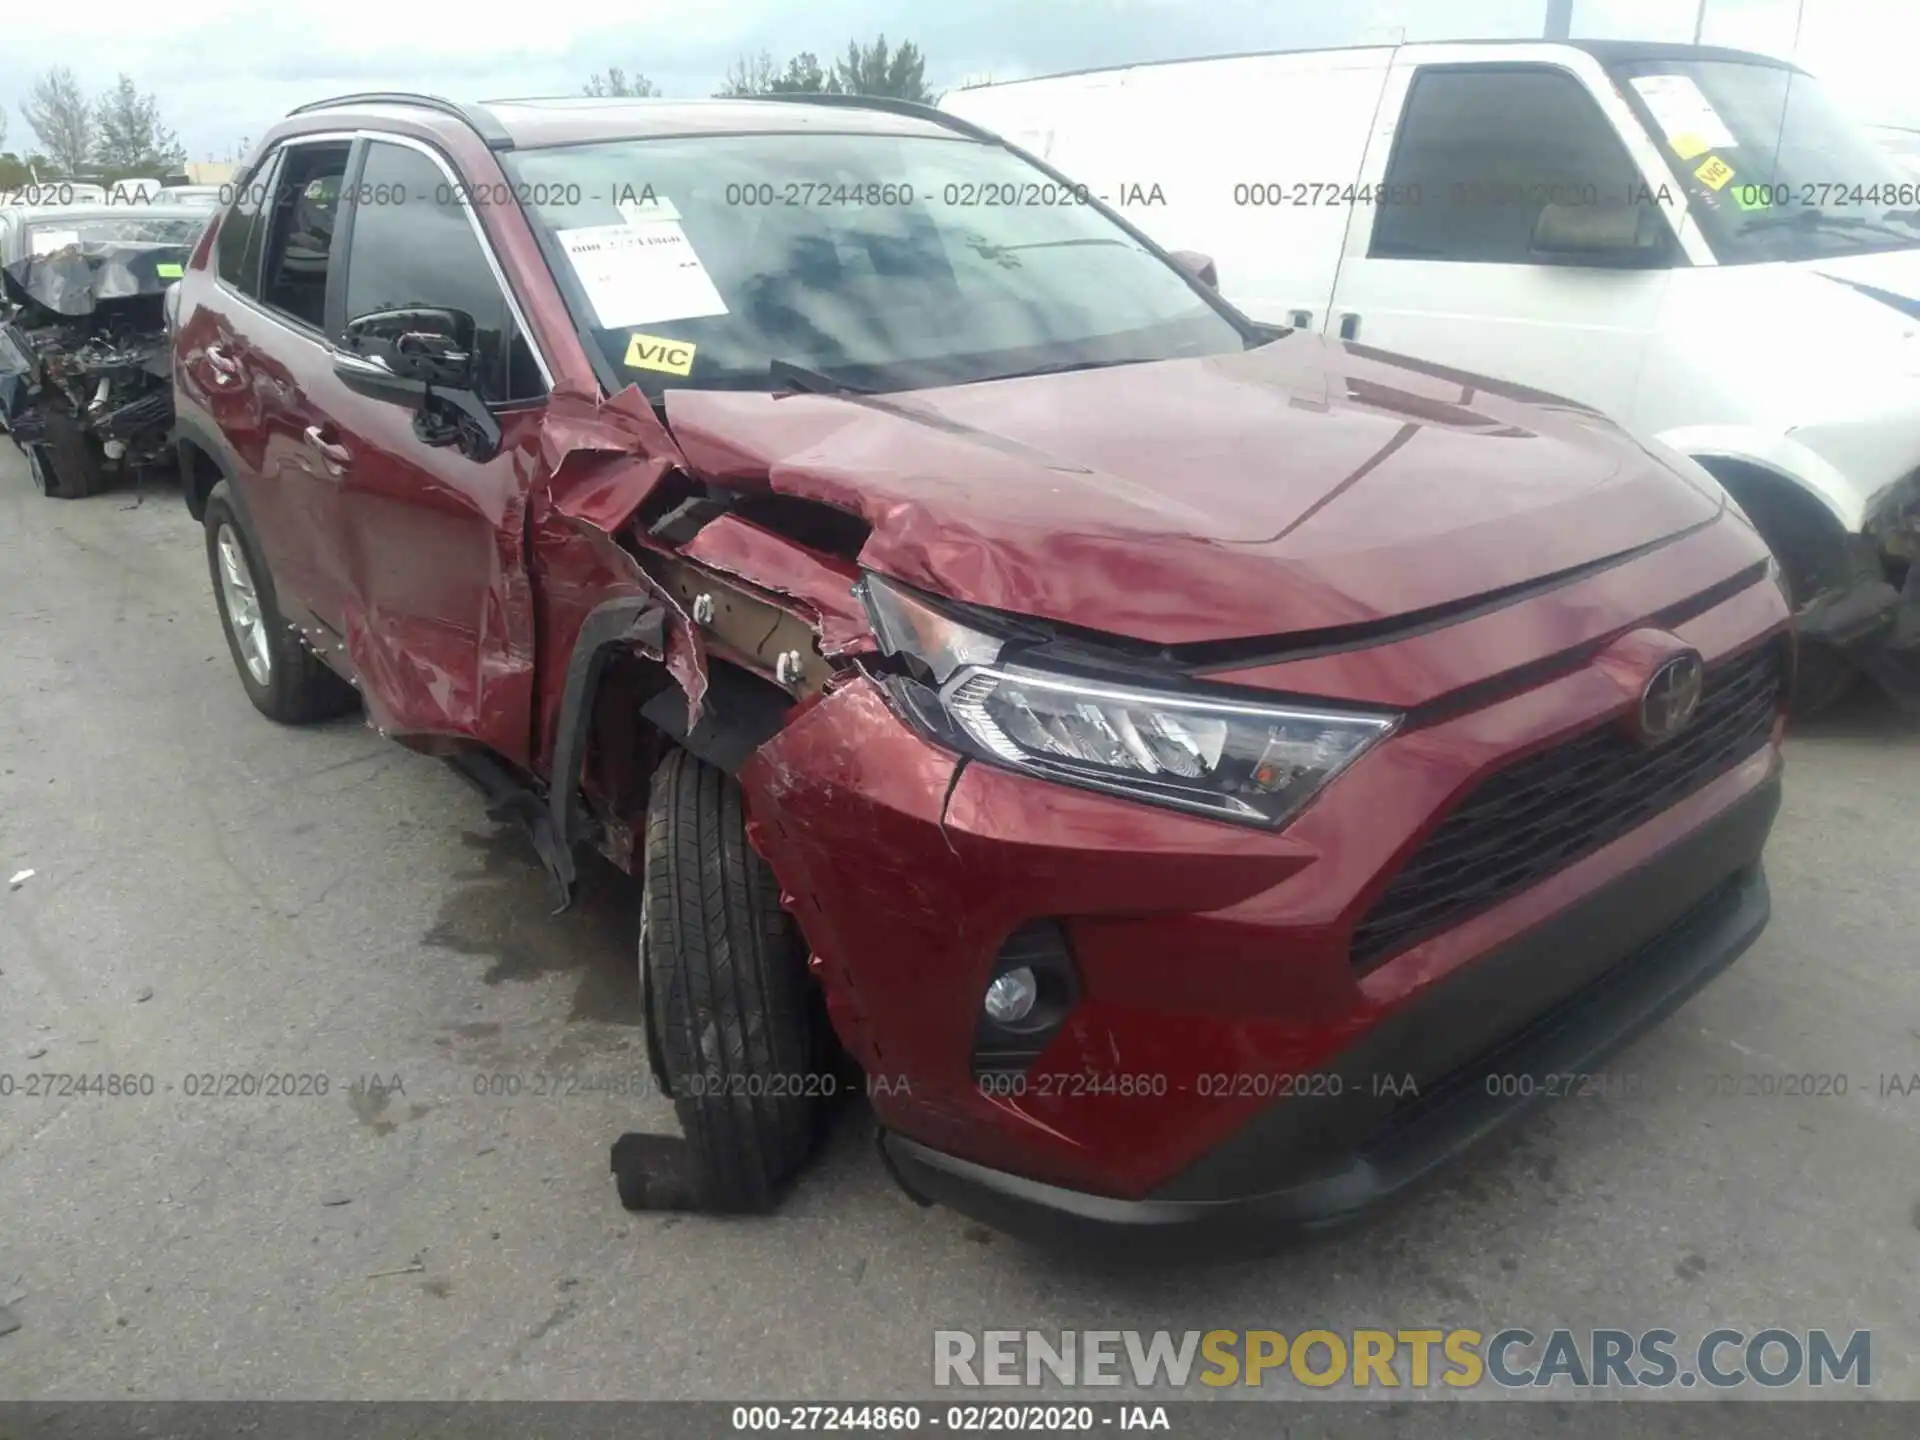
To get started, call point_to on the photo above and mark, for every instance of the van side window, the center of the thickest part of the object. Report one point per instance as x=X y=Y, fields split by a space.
x=1482 y=151
x=306 y=202
x=413 y=248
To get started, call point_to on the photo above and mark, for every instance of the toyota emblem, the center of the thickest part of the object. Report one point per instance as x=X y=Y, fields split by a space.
x=1671 y=697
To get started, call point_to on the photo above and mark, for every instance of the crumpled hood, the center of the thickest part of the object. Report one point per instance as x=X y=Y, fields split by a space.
x=1303 y=485
x=76 y=279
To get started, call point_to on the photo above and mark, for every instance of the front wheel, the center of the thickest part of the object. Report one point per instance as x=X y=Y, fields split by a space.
x=727 y=991
x=40 y=468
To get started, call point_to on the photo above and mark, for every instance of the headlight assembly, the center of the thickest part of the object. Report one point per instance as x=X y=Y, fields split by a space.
x=1236 y=760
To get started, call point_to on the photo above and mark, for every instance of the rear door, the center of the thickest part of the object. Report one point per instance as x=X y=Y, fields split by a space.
x=284 y=361
x=1468 y=153
x=438 y=613
x=250 y=350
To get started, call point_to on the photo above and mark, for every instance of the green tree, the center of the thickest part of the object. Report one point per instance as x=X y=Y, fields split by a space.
x=756 y=75
x=874 y=70
x=748 y=75
x=62 y=118
x=129 y=138
x=803 y=76
x=16 y=172
x=615 y=82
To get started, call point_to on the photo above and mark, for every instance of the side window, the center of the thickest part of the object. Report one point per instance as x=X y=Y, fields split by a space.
x=413 y=247
x=238 y=244
x=299 y=247
x=1482 y=152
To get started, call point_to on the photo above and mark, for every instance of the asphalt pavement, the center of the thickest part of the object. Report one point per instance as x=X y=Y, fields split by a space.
x=422 y=1216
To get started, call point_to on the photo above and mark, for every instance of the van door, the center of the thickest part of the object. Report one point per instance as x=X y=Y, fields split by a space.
x=1456 y=264
x=1251 y=160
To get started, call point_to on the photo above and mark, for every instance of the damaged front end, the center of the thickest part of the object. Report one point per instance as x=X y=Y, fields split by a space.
x=1871 y=613
x=85 y=388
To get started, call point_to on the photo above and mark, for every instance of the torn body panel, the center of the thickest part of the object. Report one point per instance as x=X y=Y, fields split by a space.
x=423 y=555
x=822 y=584
x=581 y=569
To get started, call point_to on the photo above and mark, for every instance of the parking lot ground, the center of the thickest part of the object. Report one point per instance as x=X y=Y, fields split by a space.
x=214 y=895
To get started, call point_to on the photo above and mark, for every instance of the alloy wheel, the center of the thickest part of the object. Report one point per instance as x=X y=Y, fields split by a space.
x=243 y=606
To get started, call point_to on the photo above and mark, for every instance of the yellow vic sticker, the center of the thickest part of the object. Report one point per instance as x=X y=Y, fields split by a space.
x=657 y=352
x=1688 y=145
x=1715 y=173
x=167 y=269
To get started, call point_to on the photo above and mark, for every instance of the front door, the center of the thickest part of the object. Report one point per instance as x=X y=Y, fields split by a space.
x=438 y=612
x=1445 y=268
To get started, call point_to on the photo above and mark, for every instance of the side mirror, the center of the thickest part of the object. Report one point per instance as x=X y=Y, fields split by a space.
x=426 y=359
x=434 y=347
x=1622 y=235
x=1199 y=266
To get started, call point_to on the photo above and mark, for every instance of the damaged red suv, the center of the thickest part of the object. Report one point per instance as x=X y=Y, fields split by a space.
x=1202 y=776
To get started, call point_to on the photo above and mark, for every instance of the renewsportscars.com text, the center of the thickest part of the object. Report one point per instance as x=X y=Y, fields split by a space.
x=1512 y=1358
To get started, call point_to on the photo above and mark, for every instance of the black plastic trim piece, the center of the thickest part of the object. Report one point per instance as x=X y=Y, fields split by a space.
x=626 y=621
x=739 y=714
x=892 y=105
x=509 y=799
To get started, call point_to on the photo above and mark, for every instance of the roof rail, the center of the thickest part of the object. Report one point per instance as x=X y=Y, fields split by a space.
x=912 y=108
x=478 y=120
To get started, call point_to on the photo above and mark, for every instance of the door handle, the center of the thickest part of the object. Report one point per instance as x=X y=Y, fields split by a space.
x=335 y=457
x=1349 y=325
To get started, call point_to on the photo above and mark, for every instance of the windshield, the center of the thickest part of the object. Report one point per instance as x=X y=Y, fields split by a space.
x=880 y=262
x=43 y=237
x=1773 y=169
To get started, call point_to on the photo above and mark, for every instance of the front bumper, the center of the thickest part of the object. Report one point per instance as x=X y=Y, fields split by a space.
x=1217 y=964
x=1310 y=1163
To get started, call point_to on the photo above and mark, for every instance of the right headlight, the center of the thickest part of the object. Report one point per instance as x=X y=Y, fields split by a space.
x=1237 y=760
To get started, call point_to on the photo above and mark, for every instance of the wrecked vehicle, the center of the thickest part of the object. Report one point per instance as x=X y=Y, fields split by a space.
x=1203 y=776
x=85 y=388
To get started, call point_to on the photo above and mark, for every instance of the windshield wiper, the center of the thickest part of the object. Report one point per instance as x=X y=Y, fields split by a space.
x=813 y=382
x=1066 y=367
x=1808 y=219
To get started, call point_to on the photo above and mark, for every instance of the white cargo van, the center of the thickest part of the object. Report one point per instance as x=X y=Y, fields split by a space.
x=1693 y=241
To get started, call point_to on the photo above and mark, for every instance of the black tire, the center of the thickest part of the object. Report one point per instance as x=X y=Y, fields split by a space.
x=40 y=470
x=298 y=689
x=728 y=994
x=68 y=464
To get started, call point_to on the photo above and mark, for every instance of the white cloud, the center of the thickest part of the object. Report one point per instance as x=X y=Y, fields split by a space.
x=223 y=69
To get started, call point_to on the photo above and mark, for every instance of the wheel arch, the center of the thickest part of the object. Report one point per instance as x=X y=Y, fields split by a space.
x=610 y=667
x=1799 y=526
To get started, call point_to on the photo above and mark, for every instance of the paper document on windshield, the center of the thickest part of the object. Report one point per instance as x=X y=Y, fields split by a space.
x=1685 y=114
x=640 y=274
x=45 y=242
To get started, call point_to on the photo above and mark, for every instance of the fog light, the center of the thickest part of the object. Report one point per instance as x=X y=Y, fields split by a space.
x=1011 y=996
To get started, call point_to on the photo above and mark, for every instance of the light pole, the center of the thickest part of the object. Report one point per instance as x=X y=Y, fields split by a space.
x=1699 y=21
x=1559 y=19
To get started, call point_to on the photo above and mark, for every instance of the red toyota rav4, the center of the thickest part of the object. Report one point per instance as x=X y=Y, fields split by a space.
x=1204 y=776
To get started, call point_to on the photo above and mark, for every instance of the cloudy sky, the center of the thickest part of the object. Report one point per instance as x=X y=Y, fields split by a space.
x=224 y=70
